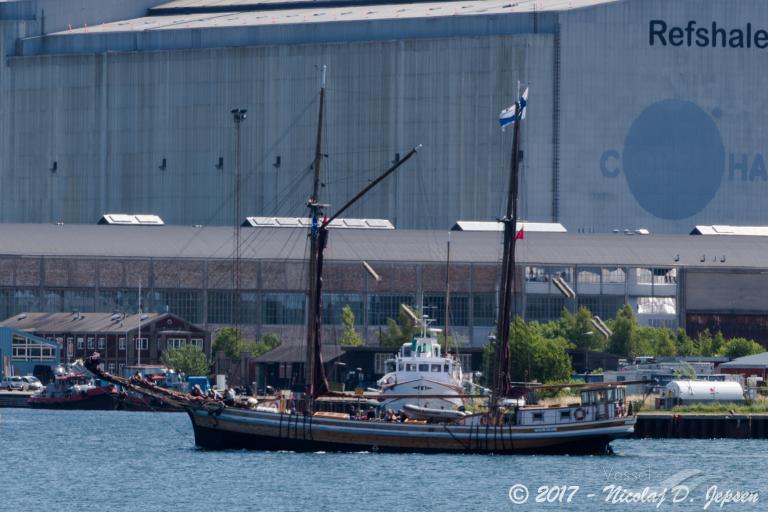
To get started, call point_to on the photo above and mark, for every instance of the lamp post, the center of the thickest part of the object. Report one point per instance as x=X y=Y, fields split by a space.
x=586 y=353
x=239 y=115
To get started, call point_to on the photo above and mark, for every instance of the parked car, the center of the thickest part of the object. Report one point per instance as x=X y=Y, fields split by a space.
x=32 y=383
x=12 y=382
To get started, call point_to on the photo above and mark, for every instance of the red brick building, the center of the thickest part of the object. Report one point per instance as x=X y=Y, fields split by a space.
x=747 y=366
x=121 y=340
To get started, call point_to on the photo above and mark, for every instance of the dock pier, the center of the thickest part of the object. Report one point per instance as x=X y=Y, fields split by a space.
x=14 y=398
x=701 y=426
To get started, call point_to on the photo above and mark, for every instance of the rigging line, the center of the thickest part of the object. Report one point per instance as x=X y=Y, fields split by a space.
x=225 y=203
x=251 y=237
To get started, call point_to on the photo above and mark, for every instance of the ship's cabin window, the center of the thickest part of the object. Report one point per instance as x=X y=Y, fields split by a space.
x=410 y=367
x=390 y=366
x=400 y=367
x=597 y=396
x=406 y=351
x=565 y=415
x=436 y=351
x=537 y=416
x=436 y=368
x=423 y=367
x=446 y=368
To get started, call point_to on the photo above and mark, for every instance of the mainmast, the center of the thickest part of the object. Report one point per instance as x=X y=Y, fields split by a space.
x=315 y=379
x=502 y=383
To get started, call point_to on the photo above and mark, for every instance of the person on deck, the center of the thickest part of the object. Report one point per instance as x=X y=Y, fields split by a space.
x=229 y=397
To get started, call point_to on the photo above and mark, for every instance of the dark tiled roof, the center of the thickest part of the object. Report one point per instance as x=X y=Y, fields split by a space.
x=287 y=353
x=81 y=322
x=216 y=242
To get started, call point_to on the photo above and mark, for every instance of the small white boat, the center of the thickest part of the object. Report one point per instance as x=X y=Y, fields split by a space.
x=415 y=412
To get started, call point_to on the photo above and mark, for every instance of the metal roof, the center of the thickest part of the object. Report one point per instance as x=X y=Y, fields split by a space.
x=753 y=361
x=289 y=353
x=81 y=322
x=292 y=222
x=382 y=245
x=528 y=227
x=239 y=13
x=131 y=219
x=722 y=229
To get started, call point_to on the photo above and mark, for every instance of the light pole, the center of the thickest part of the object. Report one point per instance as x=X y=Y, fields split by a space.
x=239 y=115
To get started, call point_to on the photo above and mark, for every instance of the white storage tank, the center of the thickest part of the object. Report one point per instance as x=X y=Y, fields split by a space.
x=704 y=391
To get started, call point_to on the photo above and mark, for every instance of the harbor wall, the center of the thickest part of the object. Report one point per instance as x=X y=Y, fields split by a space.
x=702 y=426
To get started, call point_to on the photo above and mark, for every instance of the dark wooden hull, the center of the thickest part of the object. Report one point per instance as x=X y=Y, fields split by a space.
x=237 y=429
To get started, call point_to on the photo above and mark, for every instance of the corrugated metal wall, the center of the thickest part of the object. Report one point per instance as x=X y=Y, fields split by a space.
x=108 y=121
x=659 y=136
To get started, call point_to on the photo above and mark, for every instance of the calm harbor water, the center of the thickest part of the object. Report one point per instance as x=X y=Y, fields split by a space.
x=73 y=460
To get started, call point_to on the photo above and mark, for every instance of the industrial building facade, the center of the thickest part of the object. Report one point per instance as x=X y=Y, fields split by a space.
x=695 y=282
x=642 y=113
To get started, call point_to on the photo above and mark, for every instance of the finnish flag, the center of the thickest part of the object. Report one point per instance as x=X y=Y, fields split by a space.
x=510 y=115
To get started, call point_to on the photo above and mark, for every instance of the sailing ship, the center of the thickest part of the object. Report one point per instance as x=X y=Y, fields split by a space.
x=587 y=427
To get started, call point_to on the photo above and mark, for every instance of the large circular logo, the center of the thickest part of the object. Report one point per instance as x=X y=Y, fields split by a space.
x=673 y=159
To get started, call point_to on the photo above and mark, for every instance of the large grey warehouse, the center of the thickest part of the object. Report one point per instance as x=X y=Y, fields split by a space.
x=643 y=116
x=642 y=113
x=715 y=280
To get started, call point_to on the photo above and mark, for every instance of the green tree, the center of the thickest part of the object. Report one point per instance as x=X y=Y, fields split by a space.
x=256 y=348
x=187 y=359
x=577 y=329
x=740 y=347
x=398 y=332
x=652 y=341
x=453 y=342
x=664 y=343
x=709 y=345
x=533 y=356
x=349 y=336
x=624 y=340
x=230 y=341
x=683 y=344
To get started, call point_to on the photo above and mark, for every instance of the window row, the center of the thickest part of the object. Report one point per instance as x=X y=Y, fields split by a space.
x=251 y=308
x=27 y=349
x=604 y=275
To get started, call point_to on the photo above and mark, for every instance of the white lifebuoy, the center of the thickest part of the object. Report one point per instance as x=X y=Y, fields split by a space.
x=579 y=414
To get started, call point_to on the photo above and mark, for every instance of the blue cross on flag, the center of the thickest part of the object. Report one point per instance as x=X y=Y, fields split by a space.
x=510 y=115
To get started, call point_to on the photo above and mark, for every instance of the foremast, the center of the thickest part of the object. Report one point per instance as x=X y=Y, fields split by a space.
x=314 y=371
x=316 y=379
x=502 y=384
